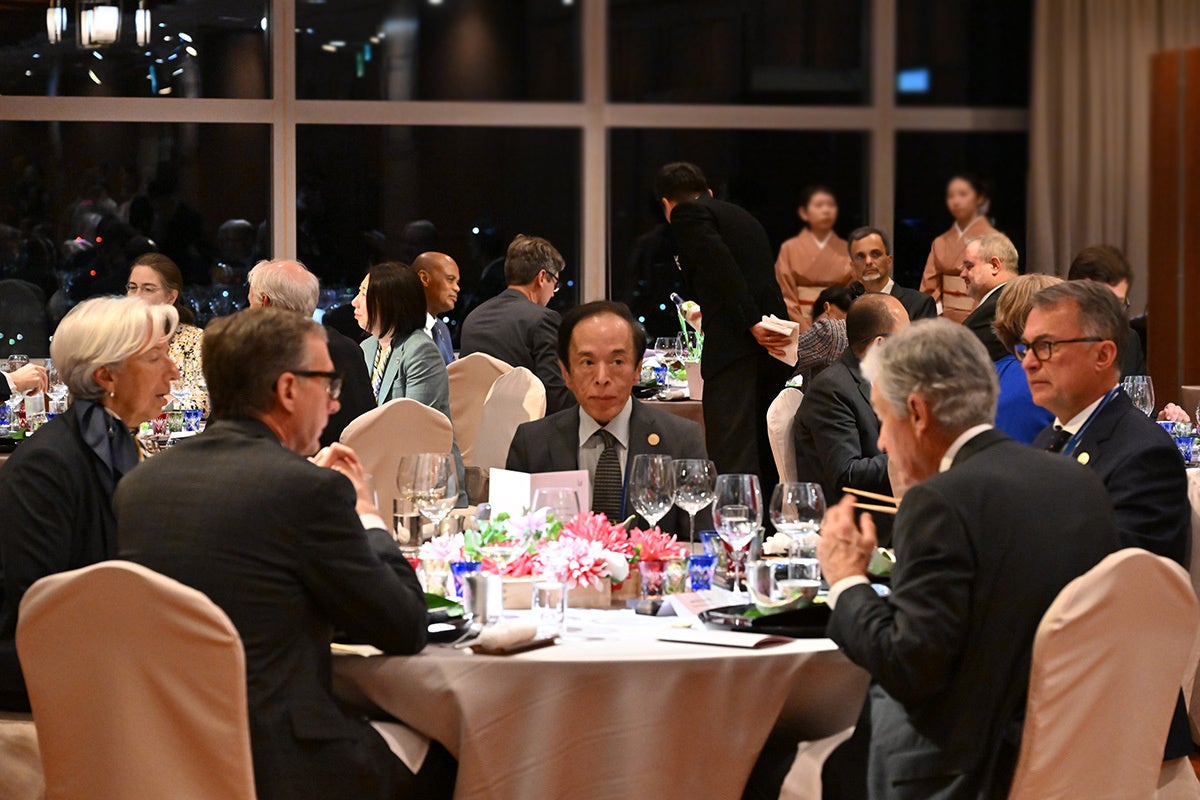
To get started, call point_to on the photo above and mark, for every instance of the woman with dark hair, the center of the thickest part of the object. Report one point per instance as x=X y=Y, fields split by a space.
x=156 y=279
x=967 y=198
x=815 y=259
x=825 y=341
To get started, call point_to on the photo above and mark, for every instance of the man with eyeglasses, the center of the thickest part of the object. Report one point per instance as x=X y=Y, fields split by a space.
x=871 y=257
x=291 y=548
x=1070 y=351
x=1107 y=265
x=515 y=326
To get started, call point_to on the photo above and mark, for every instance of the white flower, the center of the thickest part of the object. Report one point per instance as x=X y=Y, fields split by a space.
x=618 y=566
x=777 y=545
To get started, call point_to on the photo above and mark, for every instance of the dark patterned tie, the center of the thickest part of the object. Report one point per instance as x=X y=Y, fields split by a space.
x=441 y=337
x=1059 y=440
x=606 y=489
x=379 y=367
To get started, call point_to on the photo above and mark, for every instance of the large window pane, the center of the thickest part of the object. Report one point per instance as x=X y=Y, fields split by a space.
x=955 y=53
x=451 y=50
x=217 y=48
x=374 y=193
x=762 y=171
x=82 y=200
x=925 y=163
x=738 y=51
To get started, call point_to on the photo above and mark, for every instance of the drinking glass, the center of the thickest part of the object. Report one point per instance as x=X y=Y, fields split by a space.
x=797 y=510
x=652 y=486
x=737 y=512
x=561 y=501
x=695 y=483
x=406 y=519
x=1140 y=389
x=181 y=392
x=57 y=390
x=435 y=483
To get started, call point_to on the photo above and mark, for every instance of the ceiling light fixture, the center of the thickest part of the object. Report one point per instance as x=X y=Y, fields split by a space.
x=56 y=21
x=99 y=23
x=141 y=22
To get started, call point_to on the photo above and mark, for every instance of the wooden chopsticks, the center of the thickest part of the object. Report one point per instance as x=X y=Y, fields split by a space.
x=888 y=509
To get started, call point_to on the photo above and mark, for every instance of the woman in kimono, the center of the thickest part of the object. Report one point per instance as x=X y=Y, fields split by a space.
x=967 y=199
x=814 y=260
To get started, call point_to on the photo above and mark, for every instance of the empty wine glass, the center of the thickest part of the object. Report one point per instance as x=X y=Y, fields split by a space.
x=435 y=484
x=561 y=501
x=652 y=486
x=737 y=513
x=695 y=482
x=797 y=510
x=1140 y=389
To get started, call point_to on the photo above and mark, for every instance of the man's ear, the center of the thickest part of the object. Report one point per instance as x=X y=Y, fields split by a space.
x=424 y=276
x=285 y=390
x=918 y=412
x=1106 y=355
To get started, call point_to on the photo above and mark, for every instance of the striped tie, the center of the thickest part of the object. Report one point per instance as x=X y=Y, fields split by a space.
x=381 y=358
x=607 y=486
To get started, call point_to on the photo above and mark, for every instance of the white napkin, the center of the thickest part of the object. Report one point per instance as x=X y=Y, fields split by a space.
x=789 y=329
x=506 y=634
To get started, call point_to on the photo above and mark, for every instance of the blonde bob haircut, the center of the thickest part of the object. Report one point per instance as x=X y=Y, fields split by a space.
x=103 y=332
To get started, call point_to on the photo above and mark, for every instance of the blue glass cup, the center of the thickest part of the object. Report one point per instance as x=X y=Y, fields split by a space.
x=1186 y=445
x=191 y=419
x=460 y=569
x=711 y=540
x=700 y=571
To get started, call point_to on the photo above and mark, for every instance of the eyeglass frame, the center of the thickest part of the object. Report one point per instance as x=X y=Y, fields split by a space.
x=1020 y=349
x=334 y=389
x=554 y=275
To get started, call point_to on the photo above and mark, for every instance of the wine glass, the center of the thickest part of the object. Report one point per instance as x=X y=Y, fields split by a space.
x=1140 y=389
x=435 y=485
x=561 y=501
x=406 y=519
x=737 y=512
x=797 y=510
x=652 y=486
x=695 y=481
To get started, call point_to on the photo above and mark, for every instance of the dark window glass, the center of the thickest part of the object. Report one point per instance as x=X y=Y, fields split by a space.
x=924 y=164
x=955 y=53
x=81 y=200
x=738 y=51
x=377 y=193
x=217 y=48
x=762 y=171
x=452 y=50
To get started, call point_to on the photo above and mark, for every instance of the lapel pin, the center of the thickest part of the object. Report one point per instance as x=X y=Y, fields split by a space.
x=1083 y=458
x=653 y=439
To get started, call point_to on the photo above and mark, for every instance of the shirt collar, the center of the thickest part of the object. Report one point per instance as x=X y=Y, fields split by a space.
x=1076 y=422
x=991 y=292
x=887 y=287
x=430 y=321
x=618 y=426
x=957 y=444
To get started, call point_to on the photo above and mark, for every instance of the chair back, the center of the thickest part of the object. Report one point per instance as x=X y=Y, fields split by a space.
x=1191 y=677
x=517 y=396
x=138 y=686
x=781 y=419
x=470 y=379
x=384 y=435
x=1107 y=661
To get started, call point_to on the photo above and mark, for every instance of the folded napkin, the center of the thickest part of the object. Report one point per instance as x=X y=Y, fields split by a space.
x=503 y=635
x=789 y=329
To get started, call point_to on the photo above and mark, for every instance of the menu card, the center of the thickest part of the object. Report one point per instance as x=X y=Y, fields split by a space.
x=512 y=491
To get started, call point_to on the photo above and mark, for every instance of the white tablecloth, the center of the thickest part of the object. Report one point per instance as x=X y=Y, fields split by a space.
x=610 y=712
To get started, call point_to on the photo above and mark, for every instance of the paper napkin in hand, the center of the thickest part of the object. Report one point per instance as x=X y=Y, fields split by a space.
x=789 y=329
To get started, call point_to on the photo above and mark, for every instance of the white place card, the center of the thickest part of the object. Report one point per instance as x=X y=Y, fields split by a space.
x=721 y=638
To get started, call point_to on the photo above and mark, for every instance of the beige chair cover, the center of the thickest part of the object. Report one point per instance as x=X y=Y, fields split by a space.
x=517 y=396
x=20 y=765
x=1107 y=660
x=803 y=781
x=470 y=378
x=1191 y=678
x=398 y=428
x=781 y=418
x=138 y=686
x=1177 y=781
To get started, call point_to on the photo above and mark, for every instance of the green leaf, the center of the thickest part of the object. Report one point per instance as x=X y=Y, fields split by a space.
x=453 y=607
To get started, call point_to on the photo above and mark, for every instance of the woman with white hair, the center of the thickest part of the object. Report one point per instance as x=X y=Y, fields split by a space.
x=56 y=490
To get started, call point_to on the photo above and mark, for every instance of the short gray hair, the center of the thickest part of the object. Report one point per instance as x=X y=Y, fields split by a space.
x=284 y=290
x=999 y=246
x=103 y=332
x=941 y=361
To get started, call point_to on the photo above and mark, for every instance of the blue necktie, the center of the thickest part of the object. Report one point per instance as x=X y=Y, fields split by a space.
x=441 y=337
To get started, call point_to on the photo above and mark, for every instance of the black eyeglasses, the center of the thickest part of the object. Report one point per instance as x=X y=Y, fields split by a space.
x=1043 y=349
x=554 y=275
x=335 y=380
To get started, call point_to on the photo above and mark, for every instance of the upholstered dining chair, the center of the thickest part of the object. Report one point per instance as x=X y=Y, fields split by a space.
x=138 y=686
x=384 y=435
x=1191 y=678
x=20 y=762
x=781 y=419
x=1107 y=661
x=470 y=379
x=517 y=396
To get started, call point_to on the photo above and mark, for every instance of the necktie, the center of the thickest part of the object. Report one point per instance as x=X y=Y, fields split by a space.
x=381 y=358
x=607 y=485
x=1059 y=440
x=441 y=337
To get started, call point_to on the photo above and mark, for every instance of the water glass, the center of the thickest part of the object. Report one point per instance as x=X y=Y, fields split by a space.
x=653 y=578
x=700 y=571
x=549 y=606
x=1140 y=389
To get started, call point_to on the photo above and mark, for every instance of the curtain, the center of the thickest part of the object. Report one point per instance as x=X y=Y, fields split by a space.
x=1089 y=125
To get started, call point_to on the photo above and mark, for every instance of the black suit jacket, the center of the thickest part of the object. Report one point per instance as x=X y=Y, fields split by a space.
x=551 y=444
x=275 y=542
x=729 y=268
x=981 y=552
x=918 y=304
x=57 y=499
x=514 y=329
x=356 y=397
x=980 y=322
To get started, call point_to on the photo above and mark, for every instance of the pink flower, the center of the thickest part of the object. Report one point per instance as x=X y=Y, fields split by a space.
x=595 y=527
x=447 y=547
x=654 y=545
x=574 y=561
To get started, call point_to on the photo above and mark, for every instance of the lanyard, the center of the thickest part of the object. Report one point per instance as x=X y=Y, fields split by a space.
x=1073 y=442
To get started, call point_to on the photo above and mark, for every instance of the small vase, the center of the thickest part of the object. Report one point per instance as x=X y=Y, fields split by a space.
x=653 y=578
x=676 y=576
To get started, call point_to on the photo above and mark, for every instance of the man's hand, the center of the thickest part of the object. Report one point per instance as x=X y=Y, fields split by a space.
x=844 y=550
x=1173 y=413
x=31 y=378
x=775 y=343
x=341 y=458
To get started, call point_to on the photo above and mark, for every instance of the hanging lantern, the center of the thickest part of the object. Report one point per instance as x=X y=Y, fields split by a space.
x=141 y=22
x=99 y=23
x=56 y=21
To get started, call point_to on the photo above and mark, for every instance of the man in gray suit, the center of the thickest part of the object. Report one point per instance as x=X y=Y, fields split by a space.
x=291 y=549
x=600 y=350
x=515 y=326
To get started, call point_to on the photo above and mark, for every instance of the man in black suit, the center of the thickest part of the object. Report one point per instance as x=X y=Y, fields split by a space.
x=729 y=268
x=515 y=326
x=600 y=350
x=988 y=263
x=289 y=284
x=439 y=277
x=871 y=255
x=988 y=533
x=1106 y=264
x=1072 y=342
x=836 y=430
x=290 y=549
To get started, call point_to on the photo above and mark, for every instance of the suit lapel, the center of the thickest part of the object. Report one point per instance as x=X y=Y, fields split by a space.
x=393 y=369
x=977 y=444
x=564 y=453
